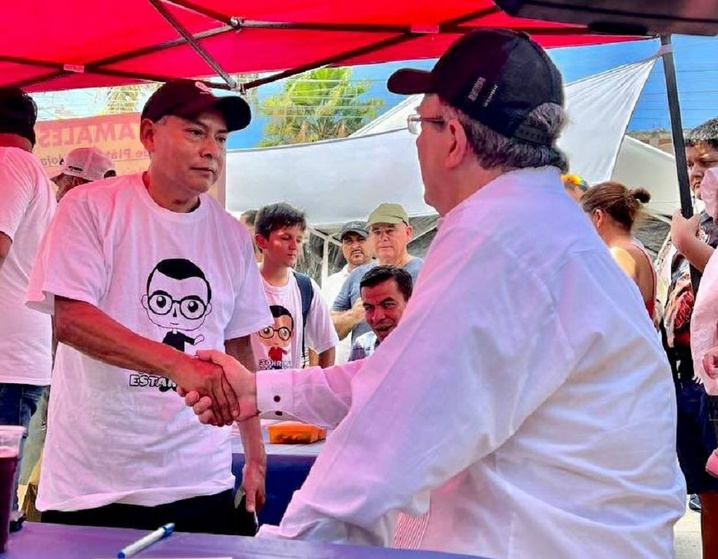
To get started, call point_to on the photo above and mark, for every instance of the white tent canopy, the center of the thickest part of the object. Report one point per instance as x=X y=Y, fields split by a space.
x=639 y=164
x=340 y=180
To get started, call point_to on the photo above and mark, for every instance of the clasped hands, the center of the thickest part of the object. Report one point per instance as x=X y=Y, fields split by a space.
x=218 y=388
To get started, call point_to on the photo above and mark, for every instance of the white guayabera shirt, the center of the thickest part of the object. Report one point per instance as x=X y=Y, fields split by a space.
x=524 y=391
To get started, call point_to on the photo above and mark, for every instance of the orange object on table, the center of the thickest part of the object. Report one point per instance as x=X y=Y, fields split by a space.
x=295 y=432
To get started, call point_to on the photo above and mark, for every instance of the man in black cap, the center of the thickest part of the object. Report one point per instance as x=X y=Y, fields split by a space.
x=25 y=212
x=523 y=407
x=144 y=271
x=357 y=251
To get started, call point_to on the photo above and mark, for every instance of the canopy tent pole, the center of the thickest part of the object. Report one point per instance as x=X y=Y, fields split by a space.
x=199 y=49
x=328 y=239
x=325 y=261
x=679 y=145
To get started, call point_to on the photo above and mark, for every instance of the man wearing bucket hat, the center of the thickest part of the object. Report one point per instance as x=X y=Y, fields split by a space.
x=390 y=234
x=80 y=166
x=524 y=405
x=142 y=271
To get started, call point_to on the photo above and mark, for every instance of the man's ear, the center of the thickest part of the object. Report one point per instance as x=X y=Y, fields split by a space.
x=145 y=303
x=148 y=130
x=459 y=143
x=410 y=232
x=261 y=241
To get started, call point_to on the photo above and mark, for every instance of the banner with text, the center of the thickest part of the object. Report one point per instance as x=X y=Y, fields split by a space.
x=117 y=135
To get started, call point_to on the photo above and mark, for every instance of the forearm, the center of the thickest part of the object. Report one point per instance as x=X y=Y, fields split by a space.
x=89 y=330
x=318 y=396
x=696 y=252
x=249 y=430
x=344 y=322
x=326 y=358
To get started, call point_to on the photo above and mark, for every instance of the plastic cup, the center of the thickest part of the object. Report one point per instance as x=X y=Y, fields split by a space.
x=10 y=439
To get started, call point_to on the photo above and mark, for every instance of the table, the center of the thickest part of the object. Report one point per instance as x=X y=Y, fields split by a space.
x=44 y=541
x=287 y=467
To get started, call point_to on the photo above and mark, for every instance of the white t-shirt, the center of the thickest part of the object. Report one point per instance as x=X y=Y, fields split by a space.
x=280 y=346
x=331 y=287
x=524 y=392
x=25 y=213
x=185 y=279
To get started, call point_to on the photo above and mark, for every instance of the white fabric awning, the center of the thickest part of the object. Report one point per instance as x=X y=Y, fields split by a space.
x=341 y=180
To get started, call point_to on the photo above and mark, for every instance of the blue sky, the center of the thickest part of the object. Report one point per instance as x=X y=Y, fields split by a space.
x=696 y=61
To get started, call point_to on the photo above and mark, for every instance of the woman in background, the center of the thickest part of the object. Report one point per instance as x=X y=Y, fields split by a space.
x=613 y=208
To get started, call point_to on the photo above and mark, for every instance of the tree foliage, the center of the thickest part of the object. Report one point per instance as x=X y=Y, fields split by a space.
x=320 y=105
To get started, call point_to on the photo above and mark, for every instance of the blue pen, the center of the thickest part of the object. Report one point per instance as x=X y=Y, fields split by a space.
x=161 y=533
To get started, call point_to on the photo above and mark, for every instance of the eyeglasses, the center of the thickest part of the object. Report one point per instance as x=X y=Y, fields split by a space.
x=413 y=122
x=283 y=332
x=191 y=307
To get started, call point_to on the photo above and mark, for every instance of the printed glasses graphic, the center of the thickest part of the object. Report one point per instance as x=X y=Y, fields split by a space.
x=191 y=307
x=283 y=332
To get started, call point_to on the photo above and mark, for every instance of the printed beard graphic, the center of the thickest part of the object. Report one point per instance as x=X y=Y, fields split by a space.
x=277 y=339
x=177 y=299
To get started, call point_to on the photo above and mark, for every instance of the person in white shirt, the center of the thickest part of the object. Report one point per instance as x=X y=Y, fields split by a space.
x=357 y=251
x=279 y=233
x=524 y=394
x=140 y=272
x=25 y=213
x=385 y=292
x=80 y=166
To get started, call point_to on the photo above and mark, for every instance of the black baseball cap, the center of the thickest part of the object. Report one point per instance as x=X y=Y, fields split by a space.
x=18 y=113
x=187 y=98
x=495 y=76
x=358 y=227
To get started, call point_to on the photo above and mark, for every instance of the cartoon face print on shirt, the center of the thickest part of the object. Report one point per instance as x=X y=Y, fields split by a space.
x=178 y=300
x=277 y=338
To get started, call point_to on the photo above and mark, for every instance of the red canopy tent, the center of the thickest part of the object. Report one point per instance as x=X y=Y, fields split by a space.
x=68 y=44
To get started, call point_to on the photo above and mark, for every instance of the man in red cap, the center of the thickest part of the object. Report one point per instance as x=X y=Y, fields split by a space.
x=523 y=407
x=141 y=272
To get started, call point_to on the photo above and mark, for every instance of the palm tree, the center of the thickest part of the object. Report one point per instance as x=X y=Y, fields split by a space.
x=319 y=105
x=127 y=98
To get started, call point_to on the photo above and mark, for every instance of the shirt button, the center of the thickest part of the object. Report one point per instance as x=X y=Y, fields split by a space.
x=278 y=413
x=277 y=398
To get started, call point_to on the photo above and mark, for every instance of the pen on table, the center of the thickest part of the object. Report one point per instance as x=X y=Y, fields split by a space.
x=146 y=541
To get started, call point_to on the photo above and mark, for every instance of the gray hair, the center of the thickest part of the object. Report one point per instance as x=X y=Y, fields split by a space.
x=494 y=150
x=706 y=133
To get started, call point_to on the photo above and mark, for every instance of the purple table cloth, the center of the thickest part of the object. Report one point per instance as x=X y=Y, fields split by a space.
x=45 y=541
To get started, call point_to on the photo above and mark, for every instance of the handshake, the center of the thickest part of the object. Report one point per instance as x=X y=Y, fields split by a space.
x=218 y=388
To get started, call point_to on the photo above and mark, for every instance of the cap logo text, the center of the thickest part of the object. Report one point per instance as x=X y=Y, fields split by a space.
x=202 y=87
x=476 y=89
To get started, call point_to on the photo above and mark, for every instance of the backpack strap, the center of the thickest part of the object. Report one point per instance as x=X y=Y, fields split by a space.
x=306 y=292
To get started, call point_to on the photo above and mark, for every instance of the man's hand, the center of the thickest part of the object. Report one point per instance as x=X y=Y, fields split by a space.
x=683 y=230
x=710 y=362
x=204 y=378
x=253 y=476
x=357 y=311
x=240 y=382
